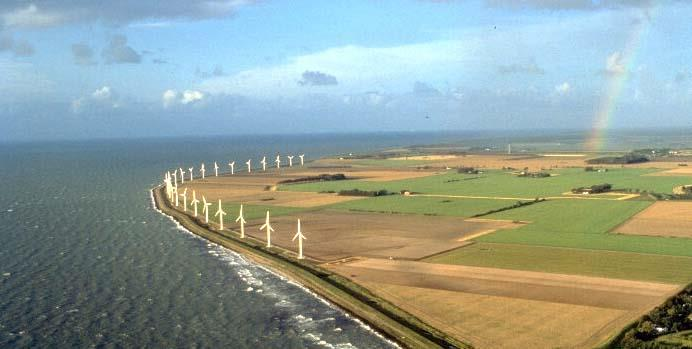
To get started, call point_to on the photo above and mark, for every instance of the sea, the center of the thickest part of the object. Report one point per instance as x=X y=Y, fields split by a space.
x=86 y=261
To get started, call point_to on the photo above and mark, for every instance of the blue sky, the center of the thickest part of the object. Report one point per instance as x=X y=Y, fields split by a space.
x=89 y=69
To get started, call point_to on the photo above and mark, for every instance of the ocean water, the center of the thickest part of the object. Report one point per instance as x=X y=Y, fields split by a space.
x=86 y=261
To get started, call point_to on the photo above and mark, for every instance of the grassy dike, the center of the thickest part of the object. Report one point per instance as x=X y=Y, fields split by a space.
x=396 y=324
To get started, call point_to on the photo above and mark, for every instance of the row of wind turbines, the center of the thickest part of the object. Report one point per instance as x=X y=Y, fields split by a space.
x=171 y=186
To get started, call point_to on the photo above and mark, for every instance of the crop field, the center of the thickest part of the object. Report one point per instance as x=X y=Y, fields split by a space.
x=333 y=235
x=421 y=205
x=497 y=308
x=498 y=183
x=618 y=265
x=664 y=218
x=584 y=224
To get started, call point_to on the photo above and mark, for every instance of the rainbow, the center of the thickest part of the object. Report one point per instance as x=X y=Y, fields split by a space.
x=623 y=62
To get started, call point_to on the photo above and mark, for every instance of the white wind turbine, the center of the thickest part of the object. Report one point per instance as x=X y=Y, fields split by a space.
x=278 y=161
x=249 y=164
x=184 y=196
x=194 y=201
x=232 y=165
x=242 y=221
x=175 y=192
x=264 y=163
x=299 y=235
x=269 y=228
x=220 y=213
x=202 y=170
x=175 y=177
x=216 y=169
x=167 y=182
x=191 y=173
x=290 y=160
x=302 y=159
x=182 y=176
x=205 y=209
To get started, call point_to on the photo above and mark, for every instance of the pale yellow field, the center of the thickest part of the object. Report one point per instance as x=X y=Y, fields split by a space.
x=663 y=218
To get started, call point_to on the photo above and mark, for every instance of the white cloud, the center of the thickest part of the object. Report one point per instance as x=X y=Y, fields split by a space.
x=172 y=97
x=563 y=88
x=31 y=17
x=102 y=97
x=615 y=63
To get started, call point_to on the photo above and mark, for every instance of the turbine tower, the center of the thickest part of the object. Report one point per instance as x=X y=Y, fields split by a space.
x=299 y=235
x=249 y=164
x=202 y=170
x=191 y=174
x=278 y=161
x=242 y=221
x=269 y=230
x=290 y=160
x=205 y=209
x=184 y=196
x=232 y=165
x=220 y=213
x=264 y=163
x=194 y=201
x=216 y=169
x=175 y=190
x=175 y=177
x=302 y=159
x=182 y=176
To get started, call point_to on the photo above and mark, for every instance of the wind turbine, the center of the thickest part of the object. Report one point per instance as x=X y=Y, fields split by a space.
x=194 y=201
x=191 y=168
x=299 y=235
x=184 y=195
x=175 y=177
x=264 y=163
x=220 y=212
x=205 y=209
x=182 y=176
x=202 y=170
x=269 y=230
x=290 y=160
x=216 y=169
x=248 y=163
x=302 y=158
x=242 y=221
x=175 y=191
x=278 y=161
x=167 y=183
x=232 y=165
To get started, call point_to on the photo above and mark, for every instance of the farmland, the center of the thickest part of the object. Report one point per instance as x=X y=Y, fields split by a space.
x=585 y=265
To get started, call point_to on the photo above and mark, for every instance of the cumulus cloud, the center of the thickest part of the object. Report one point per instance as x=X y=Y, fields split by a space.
x=82 y=54
x=20 y=48
x=102 y=98
x=423 y=89
x=171 y=97
x=615 y=64
x=316 y=78
x=563 y=88
x=530 y=68
x=49 y=13
x=118 y=51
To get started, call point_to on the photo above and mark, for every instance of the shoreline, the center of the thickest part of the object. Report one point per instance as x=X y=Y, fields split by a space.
x=379 y=315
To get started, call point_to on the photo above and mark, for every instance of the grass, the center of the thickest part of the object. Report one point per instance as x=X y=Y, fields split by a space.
x=619 y=265
x=677 y=340
x=502 y=183
x=424 y=205
x=584 y=224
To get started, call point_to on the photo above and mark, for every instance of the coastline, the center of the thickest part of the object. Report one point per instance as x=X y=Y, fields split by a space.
x=380 y=315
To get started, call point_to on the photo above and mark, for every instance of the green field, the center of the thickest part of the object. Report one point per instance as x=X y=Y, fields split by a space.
x=619 y=265
x=252 y=211
x=677 y=340
x=500 y=183
x=424 y=205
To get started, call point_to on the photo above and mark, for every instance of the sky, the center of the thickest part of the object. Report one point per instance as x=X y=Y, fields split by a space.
x=79 y=69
